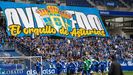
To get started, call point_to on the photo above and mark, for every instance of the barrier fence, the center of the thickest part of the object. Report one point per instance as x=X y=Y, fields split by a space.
x=26 y=66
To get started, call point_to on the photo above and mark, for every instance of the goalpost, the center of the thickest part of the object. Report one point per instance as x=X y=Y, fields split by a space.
x=20 y=65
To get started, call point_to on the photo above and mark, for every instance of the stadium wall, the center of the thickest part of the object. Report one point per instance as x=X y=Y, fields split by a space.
x=119 y=31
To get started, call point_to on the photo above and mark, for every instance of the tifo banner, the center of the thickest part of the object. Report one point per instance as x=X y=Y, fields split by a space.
x=28 y=19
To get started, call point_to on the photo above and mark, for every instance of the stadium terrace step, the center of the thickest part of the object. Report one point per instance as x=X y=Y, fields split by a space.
x=9 y=53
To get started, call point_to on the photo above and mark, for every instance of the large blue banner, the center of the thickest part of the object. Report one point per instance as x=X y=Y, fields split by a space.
x=27 y=19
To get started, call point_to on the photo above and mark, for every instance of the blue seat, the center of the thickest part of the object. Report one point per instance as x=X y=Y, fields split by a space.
x=82 y=3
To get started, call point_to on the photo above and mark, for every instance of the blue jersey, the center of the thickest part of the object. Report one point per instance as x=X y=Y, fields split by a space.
x=95 y=66
x=71 y=68
x=80 y=66
x=38 y=67
x=59 y=67
x=102 y=65
x=63 y=64
x=77 y=65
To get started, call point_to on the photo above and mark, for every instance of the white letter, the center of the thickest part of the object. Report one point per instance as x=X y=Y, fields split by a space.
x=94 y=21
x=12 y=17
x=38 y=18
x=82 y=21
x=27 y=20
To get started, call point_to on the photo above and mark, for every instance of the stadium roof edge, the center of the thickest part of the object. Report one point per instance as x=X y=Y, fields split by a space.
x=116 y=13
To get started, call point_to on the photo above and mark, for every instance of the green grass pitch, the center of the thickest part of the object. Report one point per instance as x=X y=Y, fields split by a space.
x=125 y=73
x=128 y=73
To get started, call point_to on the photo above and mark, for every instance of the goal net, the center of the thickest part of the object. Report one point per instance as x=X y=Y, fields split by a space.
x=21 y=65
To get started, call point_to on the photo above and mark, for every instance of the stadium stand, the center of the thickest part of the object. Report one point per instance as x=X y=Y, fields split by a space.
x=9 y=53
x=52 y=48
x=50 y=1
x=129 y=2
x=113 y=3
x=48 y=47
x=83 y=3
x=7 y=47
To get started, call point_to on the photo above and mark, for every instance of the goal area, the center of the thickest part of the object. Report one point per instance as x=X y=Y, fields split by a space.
x=21 y=65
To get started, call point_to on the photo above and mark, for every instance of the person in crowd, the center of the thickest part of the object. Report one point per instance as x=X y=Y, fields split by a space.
x=86 y=66
x=95 y=66
x=80 y=67
x=70 y=67
x=59 y=67
x=38 y=66
x=115 y=68
x=102 y=67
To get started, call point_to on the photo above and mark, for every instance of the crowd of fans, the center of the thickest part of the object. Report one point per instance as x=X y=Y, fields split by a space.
x=52 y=48
x=65 y=50
x=5 y=41
x=93 y=47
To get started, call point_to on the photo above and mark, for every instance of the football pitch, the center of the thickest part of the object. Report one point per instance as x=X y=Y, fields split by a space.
x=125 y=73
x=128 y=73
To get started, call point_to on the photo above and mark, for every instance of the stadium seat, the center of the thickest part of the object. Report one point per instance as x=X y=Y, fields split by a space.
x=82 y=3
